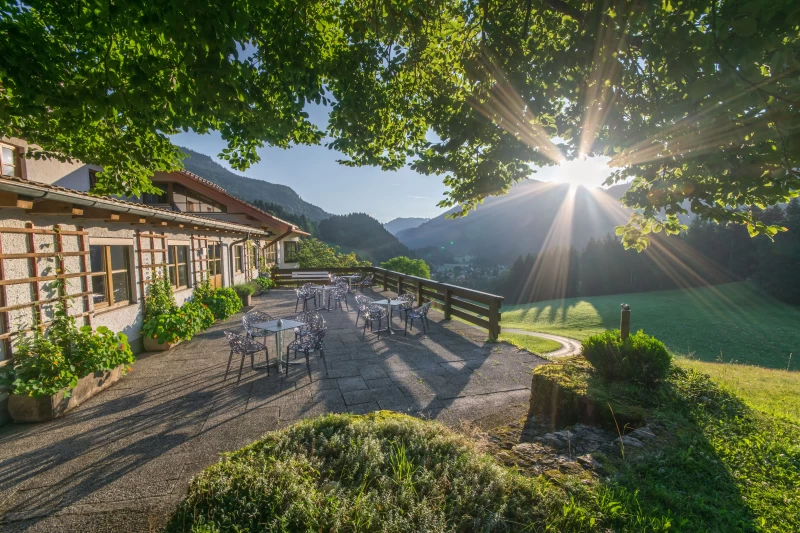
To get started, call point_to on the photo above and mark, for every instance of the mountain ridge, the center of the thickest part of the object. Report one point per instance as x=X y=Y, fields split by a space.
x=251 y=189
x=399 y=224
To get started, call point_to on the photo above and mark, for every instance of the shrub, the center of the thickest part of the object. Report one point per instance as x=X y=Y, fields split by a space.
x=40 y=368
x=264 y=283
x=223 y=302
x=380 y=472
x=245 y=289
x=198 y=314
x=160 y=297
x=413 y=267
x=100 y=350
x=640 y=358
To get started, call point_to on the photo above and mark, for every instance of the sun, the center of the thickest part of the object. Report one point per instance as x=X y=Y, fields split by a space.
x=590 y=172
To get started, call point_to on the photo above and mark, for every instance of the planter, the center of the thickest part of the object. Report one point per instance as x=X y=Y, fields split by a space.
x=152 y=345
x=42 y=408
x=247 y=299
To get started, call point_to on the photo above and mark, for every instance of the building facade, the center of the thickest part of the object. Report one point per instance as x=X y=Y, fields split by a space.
x=99 y=253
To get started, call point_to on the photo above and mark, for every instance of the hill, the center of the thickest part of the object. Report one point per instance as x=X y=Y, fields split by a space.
x=531 y=216
x=399 y=224
x=731 y=322
x=362 y=234
x=250 y=189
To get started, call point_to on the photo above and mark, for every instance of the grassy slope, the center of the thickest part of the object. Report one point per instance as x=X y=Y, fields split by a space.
x=530 y=342
x=774 y=392
x=732 y=322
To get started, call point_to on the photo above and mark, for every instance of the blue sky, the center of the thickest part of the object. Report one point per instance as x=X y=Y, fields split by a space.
x=312 y=171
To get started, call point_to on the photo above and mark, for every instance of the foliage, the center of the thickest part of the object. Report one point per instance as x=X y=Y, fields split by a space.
x=363 y=234
x=412 y=267
x=709 y=115
x=179 y=323
x=245 y=289
x=222 y=301
x=313 y=253
x=380 y=472
x=264 y=283
x=732 y=322
x=640 y=357
x=100 y=350
x=160 y=296
x=41 y=368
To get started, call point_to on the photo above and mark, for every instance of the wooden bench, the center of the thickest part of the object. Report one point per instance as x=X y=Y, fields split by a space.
x=312 y=276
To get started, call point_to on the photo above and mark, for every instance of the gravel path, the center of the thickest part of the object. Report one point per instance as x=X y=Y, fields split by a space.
x=568 y=346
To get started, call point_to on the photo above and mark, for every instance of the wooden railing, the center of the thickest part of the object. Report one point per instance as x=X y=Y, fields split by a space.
x=479 y=308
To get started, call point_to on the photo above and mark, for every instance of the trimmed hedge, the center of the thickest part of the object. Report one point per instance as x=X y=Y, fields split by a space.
x=640 y=358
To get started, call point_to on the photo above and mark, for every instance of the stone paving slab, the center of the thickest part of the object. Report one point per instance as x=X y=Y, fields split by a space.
x=122 y=460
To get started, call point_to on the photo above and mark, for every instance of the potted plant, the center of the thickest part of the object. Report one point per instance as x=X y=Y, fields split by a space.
x=159 y=308
x=245 y=292
x=263 y=284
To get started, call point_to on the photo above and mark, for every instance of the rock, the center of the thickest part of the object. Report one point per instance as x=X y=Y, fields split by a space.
x=590 y=462
x=642 y=433
x=629 y=441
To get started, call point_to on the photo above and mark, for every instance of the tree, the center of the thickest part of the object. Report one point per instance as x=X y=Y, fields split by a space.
x=313 y=253
x=412 y=267
x=696 y=101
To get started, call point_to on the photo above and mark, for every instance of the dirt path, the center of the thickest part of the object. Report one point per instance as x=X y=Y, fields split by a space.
x=568 y=346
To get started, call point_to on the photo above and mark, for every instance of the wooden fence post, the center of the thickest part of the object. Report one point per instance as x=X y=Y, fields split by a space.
x=385 y=280
x=419 y=292
x=447 y=304
x=494 y=319
x=399 y=285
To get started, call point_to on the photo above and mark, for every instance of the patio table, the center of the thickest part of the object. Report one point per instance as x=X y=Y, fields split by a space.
x=389 y=304
x=273 y=327
x=322 y=289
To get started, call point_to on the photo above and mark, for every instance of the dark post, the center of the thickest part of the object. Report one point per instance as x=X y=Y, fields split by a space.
x=494 y=319
x=399 y=285
x=625 y=321
x=419 y=292
x=446 y=303
x=385 y=280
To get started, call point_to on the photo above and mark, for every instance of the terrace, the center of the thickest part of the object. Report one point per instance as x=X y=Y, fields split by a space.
x=122 y=460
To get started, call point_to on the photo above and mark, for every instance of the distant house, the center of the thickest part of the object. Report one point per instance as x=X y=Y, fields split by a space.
x=104 y=250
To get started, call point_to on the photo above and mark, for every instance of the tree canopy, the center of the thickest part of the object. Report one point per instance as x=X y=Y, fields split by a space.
x=696 y=101
x=313 y=253
x=412 y=267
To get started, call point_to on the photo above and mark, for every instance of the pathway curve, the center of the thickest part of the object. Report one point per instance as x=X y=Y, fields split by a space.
x=568 y=346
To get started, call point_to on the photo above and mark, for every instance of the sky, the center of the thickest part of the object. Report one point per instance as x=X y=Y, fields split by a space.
x=312 y=171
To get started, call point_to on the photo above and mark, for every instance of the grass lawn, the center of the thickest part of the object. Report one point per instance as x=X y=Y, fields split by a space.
x=732 y=322
x=531 y=343
x=774 y=392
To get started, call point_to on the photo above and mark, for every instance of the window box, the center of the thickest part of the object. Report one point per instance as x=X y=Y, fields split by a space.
x=43 y=408
x=152 y=345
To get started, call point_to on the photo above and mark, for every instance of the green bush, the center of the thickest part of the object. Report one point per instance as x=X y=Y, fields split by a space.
x=40 y=368
x=223 y=302
x=640 y=358
x=413 y=267
x=245 y=289
x=100 y=350
x=380 y=472
x=160 y=296
x=264 y=283
x=198 y=314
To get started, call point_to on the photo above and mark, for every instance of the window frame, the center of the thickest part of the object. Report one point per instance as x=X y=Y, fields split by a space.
x=290 y=257
x=238 y=259
x=108 y=273
x=17 y=161
x=176 y=264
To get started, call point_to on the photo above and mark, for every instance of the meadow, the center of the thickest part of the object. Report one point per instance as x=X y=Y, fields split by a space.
x=728 y=323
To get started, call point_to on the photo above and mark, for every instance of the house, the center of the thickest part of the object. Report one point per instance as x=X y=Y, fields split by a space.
x=57 y=241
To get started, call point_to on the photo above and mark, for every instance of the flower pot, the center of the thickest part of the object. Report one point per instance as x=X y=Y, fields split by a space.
x=151 y=344
x=246 y=299
x=24 y=408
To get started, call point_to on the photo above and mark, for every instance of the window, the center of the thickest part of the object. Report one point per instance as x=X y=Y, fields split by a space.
x=92 y=179
x=10 y=161
x=156 y=199
x=111 y=278
x=269 y=255
x=177 y=257
x=290 y=251
x=238 y=258
x=189 y=201
x=215 y=264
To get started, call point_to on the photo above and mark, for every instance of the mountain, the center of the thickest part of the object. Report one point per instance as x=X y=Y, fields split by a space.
x=532 y=216
x=362 y=234
x=399 y=224
x=249 y=189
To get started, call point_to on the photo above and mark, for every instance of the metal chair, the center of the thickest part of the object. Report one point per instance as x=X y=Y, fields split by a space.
x=243 y=346
x=309 y=343
x=338 y=295
x=366 y=282
x=313 y=322
x=256 y=317
x=304 y=296
x=405 y=307
x=375 y=312
x=420 y=313
x=362 y=302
